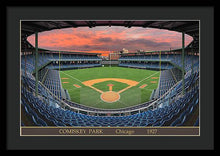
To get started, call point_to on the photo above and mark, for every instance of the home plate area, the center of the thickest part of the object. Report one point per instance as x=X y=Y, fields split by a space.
x=110 y=96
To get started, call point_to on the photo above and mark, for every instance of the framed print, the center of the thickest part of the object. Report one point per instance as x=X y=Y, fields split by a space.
x=98 y=92
x=88 y=76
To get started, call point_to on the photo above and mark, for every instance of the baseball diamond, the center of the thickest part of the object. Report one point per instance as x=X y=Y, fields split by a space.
x=109 y=87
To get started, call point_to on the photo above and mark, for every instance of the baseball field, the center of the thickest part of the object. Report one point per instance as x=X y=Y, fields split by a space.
x=109 y=87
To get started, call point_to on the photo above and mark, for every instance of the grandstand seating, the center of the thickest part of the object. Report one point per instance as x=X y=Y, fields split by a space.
x=52 y=82
x=72 y=66
x=39 y=111
x=170 y=60
x=45 y=59
x=166 y=82
x=147 y=65
x=173 y=108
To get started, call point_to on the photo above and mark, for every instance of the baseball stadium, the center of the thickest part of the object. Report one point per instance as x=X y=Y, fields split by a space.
x=62 y=88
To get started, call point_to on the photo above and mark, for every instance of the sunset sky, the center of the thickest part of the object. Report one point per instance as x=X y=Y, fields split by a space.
x=105 y=39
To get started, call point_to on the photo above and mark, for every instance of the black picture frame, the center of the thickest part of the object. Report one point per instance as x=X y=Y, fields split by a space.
x=14 y=12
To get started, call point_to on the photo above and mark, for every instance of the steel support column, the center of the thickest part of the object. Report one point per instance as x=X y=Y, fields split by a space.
x=183 y=62
x=160 y=61
x=59 y=60
x=25 y=68
x=36 y=63
x=192 y=65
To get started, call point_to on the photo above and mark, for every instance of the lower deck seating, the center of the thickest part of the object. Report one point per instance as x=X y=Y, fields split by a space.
x=147 y=66
x=28 y=61
x=72 y=66
x=52 y=82
x=166 y=82
x=167 y=61
x=43 y=114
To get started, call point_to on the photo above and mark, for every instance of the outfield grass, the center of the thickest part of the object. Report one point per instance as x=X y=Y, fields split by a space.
x=90 y=97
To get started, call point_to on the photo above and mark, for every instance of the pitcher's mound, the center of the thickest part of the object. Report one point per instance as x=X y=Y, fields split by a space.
x=110 y=96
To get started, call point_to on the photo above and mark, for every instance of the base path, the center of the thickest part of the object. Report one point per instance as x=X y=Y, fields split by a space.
x=124 y=89
x=92 y=82
x=110 y=96
x=89 y=83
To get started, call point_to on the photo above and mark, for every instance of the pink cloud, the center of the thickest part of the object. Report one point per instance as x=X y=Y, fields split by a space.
x=105 y=39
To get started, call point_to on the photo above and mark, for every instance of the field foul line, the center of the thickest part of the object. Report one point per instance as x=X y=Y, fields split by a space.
x=122 y=103
x=147 y=89
x=124 y=89
x=102 y=91
x=148 y=77
x=71 y=76
x=72 y=89
x=99 y=101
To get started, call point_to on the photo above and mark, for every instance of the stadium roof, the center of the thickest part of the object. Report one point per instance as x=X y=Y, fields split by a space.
x=30 y=27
